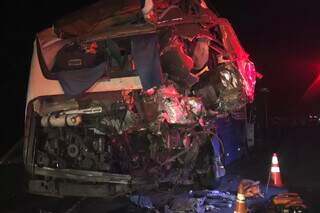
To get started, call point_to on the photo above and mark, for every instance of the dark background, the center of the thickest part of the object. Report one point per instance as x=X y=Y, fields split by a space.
x=282 y=37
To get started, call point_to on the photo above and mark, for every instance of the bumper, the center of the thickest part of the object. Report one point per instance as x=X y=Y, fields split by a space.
x=67 y=182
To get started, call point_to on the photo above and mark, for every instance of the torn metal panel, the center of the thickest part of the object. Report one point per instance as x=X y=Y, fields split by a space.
x=121 y=31
x=236 y=53
x=97 y=17
x=185 y=54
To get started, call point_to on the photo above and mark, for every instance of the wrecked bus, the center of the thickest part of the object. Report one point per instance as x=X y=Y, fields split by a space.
x=123 y=96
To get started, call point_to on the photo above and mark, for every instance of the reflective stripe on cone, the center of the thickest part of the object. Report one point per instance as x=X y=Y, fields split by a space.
x=275 y=172
x=275 y=169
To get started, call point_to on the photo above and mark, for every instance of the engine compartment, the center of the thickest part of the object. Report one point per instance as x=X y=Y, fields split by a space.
x=163 y=137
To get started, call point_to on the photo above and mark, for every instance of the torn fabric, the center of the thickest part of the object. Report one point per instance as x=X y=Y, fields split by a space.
x=145 y=52
x=76 y=82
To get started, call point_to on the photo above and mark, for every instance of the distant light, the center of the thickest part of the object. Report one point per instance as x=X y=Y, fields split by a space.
x=312 y=89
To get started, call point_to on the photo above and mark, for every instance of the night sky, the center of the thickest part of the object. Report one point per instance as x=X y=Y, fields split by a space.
x=282 y=37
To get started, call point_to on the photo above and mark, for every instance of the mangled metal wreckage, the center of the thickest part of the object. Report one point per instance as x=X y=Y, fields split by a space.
x=123 y=96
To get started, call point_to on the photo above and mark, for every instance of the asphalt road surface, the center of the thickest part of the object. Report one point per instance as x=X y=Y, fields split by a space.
x=297 y=149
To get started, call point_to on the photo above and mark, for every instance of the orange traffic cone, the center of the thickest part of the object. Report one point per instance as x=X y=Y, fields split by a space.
x=241 y=200
x=275 y=172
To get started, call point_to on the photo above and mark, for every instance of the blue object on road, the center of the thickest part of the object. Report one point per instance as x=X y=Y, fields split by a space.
x=142 y=201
